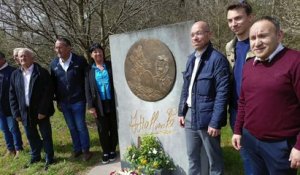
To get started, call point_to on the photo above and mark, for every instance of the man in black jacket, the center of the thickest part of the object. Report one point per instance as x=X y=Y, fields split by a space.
x=31 y=100
x=68 y=72
x=8 y=124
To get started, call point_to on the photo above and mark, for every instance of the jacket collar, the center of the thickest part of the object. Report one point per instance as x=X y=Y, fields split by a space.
x=230 y=47
x=205 y=54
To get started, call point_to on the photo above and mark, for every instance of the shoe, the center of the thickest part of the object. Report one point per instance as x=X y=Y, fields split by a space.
x=87 y=155
x=48 y=163
x=105 y=159
x=18 y=152
x=112 y=156
x=32 y=161
x=10 y=153
x=76 y=154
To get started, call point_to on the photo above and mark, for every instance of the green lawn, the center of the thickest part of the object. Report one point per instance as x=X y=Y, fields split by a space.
x=62 y=147
x=67 y=166
x=233 y=163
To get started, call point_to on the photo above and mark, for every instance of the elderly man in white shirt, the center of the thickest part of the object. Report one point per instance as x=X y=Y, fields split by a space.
x=31 y=100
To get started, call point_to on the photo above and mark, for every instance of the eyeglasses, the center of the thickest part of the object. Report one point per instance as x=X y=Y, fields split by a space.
x=199 y=33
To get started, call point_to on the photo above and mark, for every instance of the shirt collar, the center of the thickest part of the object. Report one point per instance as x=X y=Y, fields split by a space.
x=270 y=58
x=29 y=70
x=198 y=54
x=67 y=61
x=4 y=66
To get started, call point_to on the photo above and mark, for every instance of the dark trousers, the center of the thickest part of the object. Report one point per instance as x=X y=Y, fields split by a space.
x=108 y=132
x=35 y=141
x=268 y=157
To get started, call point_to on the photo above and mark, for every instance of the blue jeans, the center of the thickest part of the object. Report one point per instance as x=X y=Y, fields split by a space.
x=245 y=157
x=269 y=157
x=11 y=131
x=35 y=141
x=75 y=118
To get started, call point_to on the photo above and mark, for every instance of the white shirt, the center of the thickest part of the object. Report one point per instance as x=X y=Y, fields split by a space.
x=27 y=76
x=65 y=64
x=198 y=56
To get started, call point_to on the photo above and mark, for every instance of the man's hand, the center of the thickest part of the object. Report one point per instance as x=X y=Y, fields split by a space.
x=181 y=121
x=295 y=158
x=213 y=132
x=19 y=119
x=41 y=116
x=93 y=112
x=236 y=141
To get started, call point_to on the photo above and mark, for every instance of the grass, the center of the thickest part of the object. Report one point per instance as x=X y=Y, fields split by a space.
x=68 y=166
x=62 y=147
x=233 y=163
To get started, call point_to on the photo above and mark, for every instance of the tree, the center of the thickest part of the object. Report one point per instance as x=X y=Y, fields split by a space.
x=38 y=23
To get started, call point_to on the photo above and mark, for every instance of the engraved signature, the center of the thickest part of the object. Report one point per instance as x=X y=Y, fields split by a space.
x=156 y=123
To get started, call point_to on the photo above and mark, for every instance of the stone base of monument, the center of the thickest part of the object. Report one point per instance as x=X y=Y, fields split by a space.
x=160 y=172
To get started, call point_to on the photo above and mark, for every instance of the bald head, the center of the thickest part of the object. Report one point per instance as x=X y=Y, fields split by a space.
x=202 y=24
x=200 y=35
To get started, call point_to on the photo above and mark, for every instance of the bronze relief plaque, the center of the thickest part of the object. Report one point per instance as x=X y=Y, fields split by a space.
x=150 y=69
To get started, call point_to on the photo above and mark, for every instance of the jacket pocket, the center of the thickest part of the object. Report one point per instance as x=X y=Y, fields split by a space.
x=205 y=85
x=207 y=105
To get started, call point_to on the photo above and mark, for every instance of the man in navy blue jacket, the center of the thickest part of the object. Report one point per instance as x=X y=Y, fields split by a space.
x=202 y=108
x=68 y=72
x=31 y=101
x=8 y=124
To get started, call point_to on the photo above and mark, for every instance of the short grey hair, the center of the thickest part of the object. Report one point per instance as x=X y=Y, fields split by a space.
x=26 y=50
x=16 y=50
x=272 y=20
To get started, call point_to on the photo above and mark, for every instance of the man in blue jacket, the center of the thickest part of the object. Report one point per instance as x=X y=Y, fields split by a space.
x=8 y=124
x=68 y=72
x=31 y=101
x=202 y=107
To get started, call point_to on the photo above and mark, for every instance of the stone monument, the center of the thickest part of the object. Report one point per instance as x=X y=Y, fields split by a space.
x=147 y=70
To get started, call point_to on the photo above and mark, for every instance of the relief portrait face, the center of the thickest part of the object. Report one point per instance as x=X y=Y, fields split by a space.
x=161 y=65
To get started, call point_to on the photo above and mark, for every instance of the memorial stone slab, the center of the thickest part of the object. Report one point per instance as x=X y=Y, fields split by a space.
x=147 y=70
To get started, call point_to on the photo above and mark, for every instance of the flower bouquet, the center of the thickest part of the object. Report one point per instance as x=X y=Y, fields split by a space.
x=149 y=157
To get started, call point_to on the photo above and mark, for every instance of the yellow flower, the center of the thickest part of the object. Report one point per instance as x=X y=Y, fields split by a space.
x=143 y=161
x=155 y=164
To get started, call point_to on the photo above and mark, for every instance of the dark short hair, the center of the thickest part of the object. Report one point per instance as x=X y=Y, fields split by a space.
x=2 y=56
x=273 y=20
x=64 y=40
x=95 y=46
x=242 y=4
